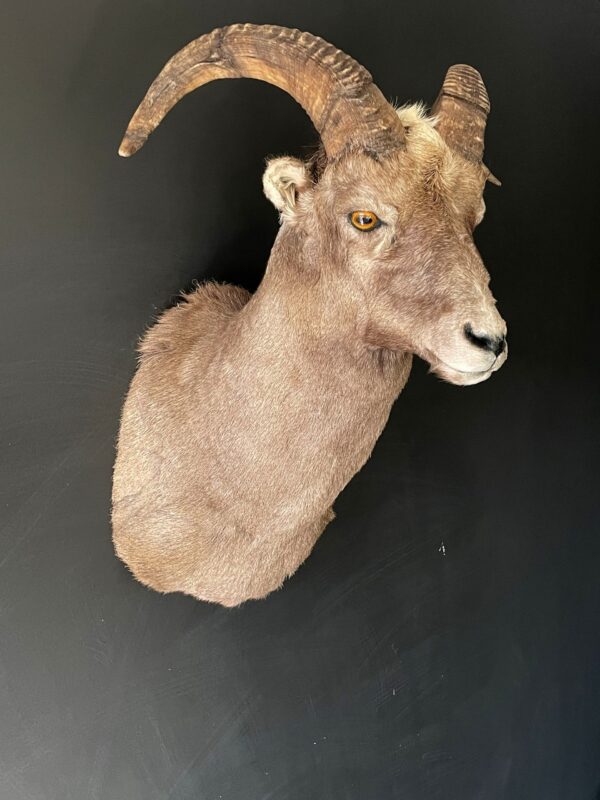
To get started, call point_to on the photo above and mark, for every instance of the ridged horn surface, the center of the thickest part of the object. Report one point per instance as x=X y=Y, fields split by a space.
x=337 y=93
x=462 y=108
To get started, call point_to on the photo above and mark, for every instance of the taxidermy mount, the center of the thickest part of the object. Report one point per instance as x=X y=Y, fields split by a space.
x=249 y=413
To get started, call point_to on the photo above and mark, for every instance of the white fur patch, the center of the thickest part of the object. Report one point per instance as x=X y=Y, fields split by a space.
x=414 y=116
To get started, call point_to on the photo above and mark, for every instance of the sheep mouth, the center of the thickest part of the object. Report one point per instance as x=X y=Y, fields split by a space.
x=461 y=377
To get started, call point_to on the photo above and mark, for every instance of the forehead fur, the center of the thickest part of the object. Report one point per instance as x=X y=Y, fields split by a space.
x=436 y=163
x=422 y=137
x=426 y=167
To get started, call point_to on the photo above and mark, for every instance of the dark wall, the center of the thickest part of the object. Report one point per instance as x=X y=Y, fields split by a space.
x=442 y=639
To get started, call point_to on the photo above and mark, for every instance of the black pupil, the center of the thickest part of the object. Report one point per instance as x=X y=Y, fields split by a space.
x=365 y=219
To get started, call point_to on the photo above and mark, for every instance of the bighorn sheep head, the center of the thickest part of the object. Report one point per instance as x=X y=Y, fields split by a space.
x=249 y=413
x=394 y=200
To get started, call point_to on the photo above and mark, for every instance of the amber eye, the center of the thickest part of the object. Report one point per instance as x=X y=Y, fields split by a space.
x=365 y=220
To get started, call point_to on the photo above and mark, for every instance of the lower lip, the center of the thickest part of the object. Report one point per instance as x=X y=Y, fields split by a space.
x=465 y=372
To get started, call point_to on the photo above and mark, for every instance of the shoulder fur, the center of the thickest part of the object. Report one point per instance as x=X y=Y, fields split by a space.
x=199 y=313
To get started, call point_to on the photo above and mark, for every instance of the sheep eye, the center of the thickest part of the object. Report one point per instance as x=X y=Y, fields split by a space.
x=365 y=220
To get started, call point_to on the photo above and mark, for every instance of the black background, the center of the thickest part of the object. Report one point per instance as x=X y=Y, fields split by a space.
x=386 y=667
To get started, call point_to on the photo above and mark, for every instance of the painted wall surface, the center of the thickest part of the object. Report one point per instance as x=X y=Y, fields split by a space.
x=442 y=639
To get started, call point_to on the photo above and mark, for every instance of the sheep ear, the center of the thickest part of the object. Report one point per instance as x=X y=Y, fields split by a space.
x=283 y=181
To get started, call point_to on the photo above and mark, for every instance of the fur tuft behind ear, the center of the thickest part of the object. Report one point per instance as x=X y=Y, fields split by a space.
x=283 y=180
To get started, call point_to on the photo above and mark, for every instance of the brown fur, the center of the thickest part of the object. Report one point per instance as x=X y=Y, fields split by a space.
x=248 y=414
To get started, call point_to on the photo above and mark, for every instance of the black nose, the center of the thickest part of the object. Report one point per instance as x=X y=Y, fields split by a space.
x=494 y=344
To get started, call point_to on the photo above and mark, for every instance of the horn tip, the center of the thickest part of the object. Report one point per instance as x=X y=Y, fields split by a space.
x=132 y=142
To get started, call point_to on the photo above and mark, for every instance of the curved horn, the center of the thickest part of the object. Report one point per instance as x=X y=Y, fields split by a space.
x=337 y=93
x=462 y=107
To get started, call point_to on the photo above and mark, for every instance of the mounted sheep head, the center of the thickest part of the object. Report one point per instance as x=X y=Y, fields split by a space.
x=374 y=261
x=422 y=285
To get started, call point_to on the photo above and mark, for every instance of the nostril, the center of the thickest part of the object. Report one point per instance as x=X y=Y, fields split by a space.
x=494 y=344
x=479 y=340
